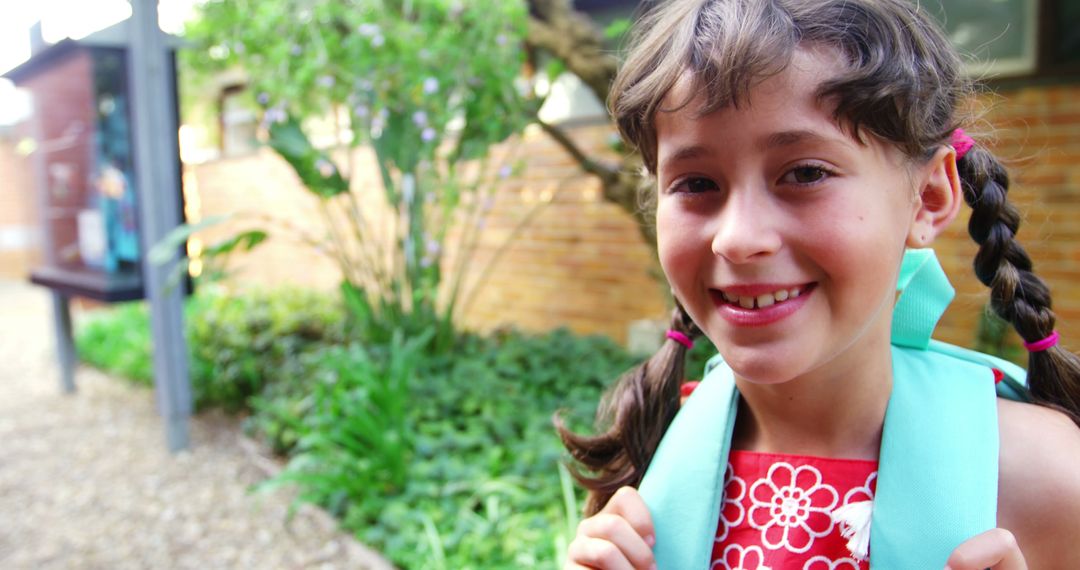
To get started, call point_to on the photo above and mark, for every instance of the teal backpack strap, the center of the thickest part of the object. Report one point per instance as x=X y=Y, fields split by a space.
x=925 y=293
x=684 y=483
x=938 y=467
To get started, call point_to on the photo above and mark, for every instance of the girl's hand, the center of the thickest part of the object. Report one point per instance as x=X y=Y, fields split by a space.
x=619 y=537
x=995 y=549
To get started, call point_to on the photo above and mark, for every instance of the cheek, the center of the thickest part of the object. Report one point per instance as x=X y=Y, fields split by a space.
x=678 y=247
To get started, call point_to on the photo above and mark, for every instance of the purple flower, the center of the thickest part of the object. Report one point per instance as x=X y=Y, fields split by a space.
x=378 y=41
x=263 y=98
x=419 y=118
x=500 y=39
x=274 y=115
x=327 y=81
x=431 y=86
x=505 y=171
x=362 y=111
x=296 y=49
x=364 y=84
x=368 y=29
x=428 y=134
x=325 y=167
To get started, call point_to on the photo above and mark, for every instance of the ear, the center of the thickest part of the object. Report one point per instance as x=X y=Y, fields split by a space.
x=939 y=198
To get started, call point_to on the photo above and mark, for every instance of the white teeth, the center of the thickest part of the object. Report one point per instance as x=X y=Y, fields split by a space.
x=764 y=300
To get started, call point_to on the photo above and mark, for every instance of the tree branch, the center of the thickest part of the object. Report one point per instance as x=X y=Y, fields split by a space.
x=606 y=173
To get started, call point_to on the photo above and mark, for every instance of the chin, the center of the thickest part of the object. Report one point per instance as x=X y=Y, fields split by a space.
x=765 y=367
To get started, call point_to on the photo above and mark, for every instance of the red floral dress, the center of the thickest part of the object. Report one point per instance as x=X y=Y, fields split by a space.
x=778 y=512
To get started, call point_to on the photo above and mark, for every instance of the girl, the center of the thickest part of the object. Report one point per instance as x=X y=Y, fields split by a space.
x=800 y=147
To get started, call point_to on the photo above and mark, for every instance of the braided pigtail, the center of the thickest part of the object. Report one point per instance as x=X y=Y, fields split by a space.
x=636 y=412
x=1016 y=293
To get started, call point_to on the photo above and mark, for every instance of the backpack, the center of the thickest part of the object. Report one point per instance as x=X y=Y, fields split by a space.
x=938 y=465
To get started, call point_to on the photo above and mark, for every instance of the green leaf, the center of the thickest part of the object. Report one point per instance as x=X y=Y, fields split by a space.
x=163 y=251
x=318 y=173
x=555 y=68
x=617 y=28
x=245 y=241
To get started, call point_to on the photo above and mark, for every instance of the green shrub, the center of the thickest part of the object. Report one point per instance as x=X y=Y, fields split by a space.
x=117 y=340
x=238 y=343
x=241 y=343
x=439 y=461
x=483 y=488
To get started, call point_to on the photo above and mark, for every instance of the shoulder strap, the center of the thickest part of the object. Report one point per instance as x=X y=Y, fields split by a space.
x=938 y=467
x=684 y=483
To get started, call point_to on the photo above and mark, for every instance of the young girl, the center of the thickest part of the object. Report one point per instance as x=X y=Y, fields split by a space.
x=800 y=147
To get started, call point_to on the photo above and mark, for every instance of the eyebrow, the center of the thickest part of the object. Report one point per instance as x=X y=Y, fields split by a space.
x=790 y=138
x=685 y=153
x=771 y=142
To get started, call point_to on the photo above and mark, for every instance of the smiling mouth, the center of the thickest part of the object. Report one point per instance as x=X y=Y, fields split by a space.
x=762 y=300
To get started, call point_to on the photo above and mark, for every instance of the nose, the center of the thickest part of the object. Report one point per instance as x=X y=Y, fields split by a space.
x=747 y=228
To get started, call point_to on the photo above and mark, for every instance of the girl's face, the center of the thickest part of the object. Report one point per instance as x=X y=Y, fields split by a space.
x=780 y=234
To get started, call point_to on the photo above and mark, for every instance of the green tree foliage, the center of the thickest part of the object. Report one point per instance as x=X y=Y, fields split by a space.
x=430 y=85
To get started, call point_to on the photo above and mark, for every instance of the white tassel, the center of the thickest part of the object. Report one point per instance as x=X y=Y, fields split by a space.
x=854 y=521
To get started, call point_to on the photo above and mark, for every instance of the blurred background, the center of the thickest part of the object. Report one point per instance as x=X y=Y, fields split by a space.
x=410 y=236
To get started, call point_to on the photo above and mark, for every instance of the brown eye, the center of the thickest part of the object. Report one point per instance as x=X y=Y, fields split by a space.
x=805 y=175
x=695 y=185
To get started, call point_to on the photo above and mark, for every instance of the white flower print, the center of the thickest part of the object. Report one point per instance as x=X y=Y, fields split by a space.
x=731 y=509
x=739 y=558
x=823 y=563
x=791 y=507
x=864 y=493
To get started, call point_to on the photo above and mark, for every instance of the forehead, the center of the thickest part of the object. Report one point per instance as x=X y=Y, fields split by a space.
x=800 y=79
x=786 y=102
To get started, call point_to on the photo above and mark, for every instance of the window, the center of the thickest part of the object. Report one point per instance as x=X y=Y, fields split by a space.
x=1012 y=37
x=998 y=35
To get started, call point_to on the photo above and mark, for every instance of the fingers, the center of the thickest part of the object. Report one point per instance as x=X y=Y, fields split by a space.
x=598 y=553
x=620 y=537
x=995 y=549
x=628 y=504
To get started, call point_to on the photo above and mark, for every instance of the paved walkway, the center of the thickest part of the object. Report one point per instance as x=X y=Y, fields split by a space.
x=86 y=482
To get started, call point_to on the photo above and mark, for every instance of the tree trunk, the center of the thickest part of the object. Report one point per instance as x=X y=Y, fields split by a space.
x=557 y=29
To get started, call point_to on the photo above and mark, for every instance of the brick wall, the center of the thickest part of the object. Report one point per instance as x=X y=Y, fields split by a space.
x=1036 y=132
x=580 y=262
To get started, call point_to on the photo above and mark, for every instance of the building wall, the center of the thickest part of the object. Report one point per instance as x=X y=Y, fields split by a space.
x=580 y=262
x=19 y=241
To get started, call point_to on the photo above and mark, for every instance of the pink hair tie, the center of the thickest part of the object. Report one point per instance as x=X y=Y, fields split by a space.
x=680 y=338
x=962 y=143
x=1041 y=345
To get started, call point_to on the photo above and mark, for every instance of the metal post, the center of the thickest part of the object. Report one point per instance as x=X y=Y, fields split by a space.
x=65 y=342
x=156 y=148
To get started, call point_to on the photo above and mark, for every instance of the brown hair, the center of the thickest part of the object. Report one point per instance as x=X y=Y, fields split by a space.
x=900 y=81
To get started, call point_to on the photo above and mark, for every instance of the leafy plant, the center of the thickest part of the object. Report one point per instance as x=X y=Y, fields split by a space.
x=239 y=344
x=430 y=86
x=355 y=442
x=436 y=459
x=484 y=488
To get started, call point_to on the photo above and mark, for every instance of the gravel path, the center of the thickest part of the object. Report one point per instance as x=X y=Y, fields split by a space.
x=86 y=481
